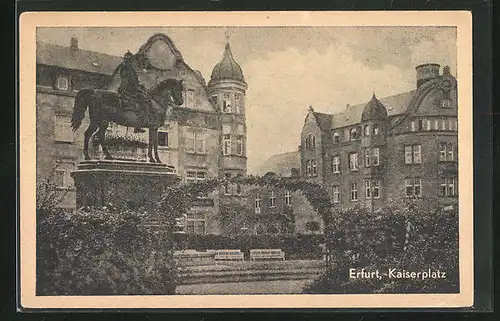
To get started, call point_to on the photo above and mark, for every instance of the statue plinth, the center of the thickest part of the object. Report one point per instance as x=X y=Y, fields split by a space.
x=121 y=183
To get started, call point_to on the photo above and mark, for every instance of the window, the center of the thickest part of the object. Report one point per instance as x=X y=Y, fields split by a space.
x=376 y=189
x=195 y=223
x=367 y=130
x=375 y=156
x=413 y=126
x=353 y=161
x=336 y=164
x=189 y=98
x=62 y=130
x=336 y=138
x=257 y=204
x=455 y=123
x=375 y=130
x=413 y=187
x=354 y=191
x=372 y=188
x=367 y=157
x=420 y=124
x=450 y=125
x=62 y=82
x=313 y=162
x=272 y=200
x=237 y=103
x=311 y=141
x=162 y=138
x=429 y=125
x=195 y=142
x=288 y=198
x=448 y=186
x=436 y=124
x=368 y=189
x=353 y=134
x=413 y=154
x=417 y=154
x=446 y=103
x=446 y=152
x=63 y=179
x=239 y=145
x=226 y=144
x=443 y=124
x=195 y=176
x=311 y=168
x=214 y=98
x=226 y=103
x=336 y=194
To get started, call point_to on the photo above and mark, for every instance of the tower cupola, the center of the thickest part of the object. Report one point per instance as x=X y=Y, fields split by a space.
x=227 y=68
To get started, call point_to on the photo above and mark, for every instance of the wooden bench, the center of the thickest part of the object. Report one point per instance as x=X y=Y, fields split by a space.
x=271 y=254
x=230 y=255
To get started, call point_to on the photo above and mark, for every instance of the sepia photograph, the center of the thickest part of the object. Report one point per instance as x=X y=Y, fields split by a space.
x=247 y=162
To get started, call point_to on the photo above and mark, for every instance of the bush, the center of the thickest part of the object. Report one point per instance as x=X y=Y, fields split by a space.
x=415 y=238
x=102 y=251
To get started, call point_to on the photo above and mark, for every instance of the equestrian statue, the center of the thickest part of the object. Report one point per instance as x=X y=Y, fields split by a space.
x=131 y=106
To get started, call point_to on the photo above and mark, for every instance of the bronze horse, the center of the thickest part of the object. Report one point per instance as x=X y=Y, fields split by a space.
x=106 y=106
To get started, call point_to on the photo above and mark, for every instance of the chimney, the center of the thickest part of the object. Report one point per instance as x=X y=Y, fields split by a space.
x=426 y=72
x=73 y=44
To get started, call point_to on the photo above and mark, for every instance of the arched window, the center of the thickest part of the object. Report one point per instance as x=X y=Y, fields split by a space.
x=367 y=130
x=311 y=141
x=353 y=134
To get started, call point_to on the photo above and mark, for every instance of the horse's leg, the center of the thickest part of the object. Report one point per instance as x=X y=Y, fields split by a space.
x=150 y=146
x=155 y=137
x=103 y=126
x=88 y=134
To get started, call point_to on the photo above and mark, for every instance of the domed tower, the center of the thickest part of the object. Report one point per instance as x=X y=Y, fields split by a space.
x=227 y=88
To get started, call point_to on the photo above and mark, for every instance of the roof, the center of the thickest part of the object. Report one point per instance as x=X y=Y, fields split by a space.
x=395 y=105
x=280 y=164
x=227 y=68
x=79 y=59
x=324 y=120
x=374 y=110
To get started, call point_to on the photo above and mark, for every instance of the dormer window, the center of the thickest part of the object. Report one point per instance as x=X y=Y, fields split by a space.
x=367 y=130
x=336 y=138
x=62 y=82
x=353 y=134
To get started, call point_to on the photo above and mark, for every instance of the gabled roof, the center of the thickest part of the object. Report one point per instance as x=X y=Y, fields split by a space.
x=280 y=164
x=79 y=59
x=395 y=105
x=324 y=120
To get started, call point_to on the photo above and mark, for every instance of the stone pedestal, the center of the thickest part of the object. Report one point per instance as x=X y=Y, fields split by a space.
x=121 y=183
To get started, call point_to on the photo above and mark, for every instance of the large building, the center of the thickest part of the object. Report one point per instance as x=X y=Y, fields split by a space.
x=388 y=149
x=203 y=138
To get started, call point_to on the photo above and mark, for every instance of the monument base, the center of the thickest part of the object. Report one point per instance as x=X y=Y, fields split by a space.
x=121 y=183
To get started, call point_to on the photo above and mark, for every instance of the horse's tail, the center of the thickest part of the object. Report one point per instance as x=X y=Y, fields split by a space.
x=82 y=100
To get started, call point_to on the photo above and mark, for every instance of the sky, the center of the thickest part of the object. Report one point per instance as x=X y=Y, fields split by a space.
x=288 y=69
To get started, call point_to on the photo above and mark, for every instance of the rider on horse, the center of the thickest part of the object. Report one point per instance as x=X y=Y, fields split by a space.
x=131 y=91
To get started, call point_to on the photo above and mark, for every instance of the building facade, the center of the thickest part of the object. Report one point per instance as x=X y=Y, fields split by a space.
x=389 y=149
x=204 y=138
